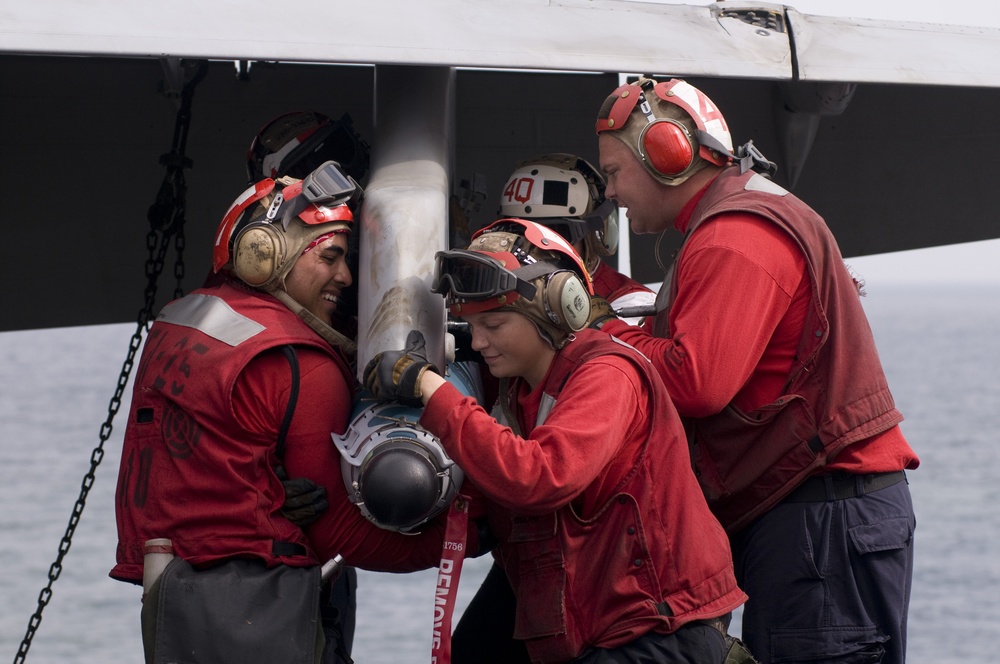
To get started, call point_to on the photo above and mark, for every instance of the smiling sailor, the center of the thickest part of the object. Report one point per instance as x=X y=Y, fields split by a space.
x=236 y=380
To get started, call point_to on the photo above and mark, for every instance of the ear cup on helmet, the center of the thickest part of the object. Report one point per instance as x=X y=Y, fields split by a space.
x=258 y=254
x=667 y=147
x=567 y=301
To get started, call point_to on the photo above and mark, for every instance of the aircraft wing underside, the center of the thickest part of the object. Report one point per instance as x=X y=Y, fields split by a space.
x=887 y=128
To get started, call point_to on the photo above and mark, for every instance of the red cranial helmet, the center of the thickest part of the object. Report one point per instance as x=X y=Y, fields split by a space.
x=524 y=266
x=672 y=127
x=269 y=225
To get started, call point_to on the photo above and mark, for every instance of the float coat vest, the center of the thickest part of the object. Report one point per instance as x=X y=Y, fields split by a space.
x=663 y=560
x=836 y=393
x=190 y=472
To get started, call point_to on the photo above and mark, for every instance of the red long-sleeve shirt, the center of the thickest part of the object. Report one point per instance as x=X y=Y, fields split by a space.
x=560 y=461
x=605 y=477
x=259 y=399
x=198 y=461
x=743 y=290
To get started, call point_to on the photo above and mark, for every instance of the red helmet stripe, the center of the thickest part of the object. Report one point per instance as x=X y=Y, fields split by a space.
x=628 y=96
x=220 y=250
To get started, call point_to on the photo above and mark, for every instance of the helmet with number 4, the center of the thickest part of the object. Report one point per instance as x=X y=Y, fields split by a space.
x=672 y=127
x=565 y=193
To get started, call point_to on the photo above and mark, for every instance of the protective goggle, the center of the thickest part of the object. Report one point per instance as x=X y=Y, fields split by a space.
x=327 y=189
x=327 y=186
x=471 y=275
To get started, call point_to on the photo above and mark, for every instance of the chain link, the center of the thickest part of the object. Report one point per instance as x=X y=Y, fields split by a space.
x=166 y=218
x=158 y=248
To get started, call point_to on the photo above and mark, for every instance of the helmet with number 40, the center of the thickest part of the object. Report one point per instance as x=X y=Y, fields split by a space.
x=565 y=193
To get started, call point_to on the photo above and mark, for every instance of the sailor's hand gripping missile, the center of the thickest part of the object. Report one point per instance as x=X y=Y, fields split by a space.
x=394 y=375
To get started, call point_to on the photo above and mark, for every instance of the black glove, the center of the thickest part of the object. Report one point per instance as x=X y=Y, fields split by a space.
x=600 y=312
x=394 y=375
x=305 y=500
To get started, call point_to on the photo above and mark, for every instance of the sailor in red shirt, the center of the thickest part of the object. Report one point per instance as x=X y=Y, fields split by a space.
x=565 y=193
x=295 y=143
x=235 y=380
x=764 y=347
x=604 y=533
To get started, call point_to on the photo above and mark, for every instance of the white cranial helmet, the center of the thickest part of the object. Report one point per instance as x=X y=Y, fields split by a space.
x=565 y=193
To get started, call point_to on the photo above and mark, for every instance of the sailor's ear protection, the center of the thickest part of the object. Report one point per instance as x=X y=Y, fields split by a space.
x=667 y=147
x=259 y=254
x=566 y=300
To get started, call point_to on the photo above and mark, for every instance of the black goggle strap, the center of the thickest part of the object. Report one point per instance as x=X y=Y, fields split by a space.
x=529 y=273
x=575 y=230
x=595 y=220
x=282 y=210
x=572 y=229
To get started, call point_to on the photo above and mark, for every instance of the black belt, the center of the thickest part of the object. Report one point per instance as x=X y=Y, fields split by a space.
x=721 y=623
x=279 y=548
x=840 y=485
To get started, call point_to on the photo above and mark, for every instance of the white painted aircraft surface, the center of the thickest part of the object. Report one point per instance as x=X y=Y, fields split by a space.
x=886 y=124
x=454 y=91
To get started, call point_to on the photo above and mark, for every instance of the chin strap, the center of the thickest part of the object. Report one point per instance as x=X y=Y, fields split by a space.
x=322 y=329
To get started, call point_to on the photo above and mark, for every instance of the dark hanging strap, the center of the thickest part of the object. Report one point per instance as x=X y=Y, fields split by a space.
x=293 y=397
x=279 y=548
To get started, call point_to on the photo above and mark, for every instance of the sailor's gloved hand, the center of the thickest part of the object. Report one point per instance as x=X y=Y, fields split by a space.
x=394 y=375
x=600 y=312
x=305 y=500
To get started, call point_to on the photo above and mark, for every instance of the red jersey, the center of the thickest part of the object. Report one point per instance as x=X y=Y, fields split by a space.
x=738 y=313
x=199 y=454
x=605 y=533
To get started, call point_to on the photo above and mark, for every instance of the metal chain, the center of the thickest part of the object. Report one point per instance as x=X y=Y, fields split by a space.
x=153 y=268
x=179 y=245
x=166 y=219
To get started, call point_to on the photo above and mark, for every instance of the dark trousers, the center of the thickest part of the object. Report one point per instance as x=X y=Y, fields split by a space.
x=484 y=635
x=694 y=643
x=829 y=580
x=485 y=632
x=338 y=608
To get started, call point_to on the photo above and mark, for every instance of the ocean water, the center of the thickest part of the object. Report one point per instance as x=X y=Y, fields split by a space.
x=940 y=347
